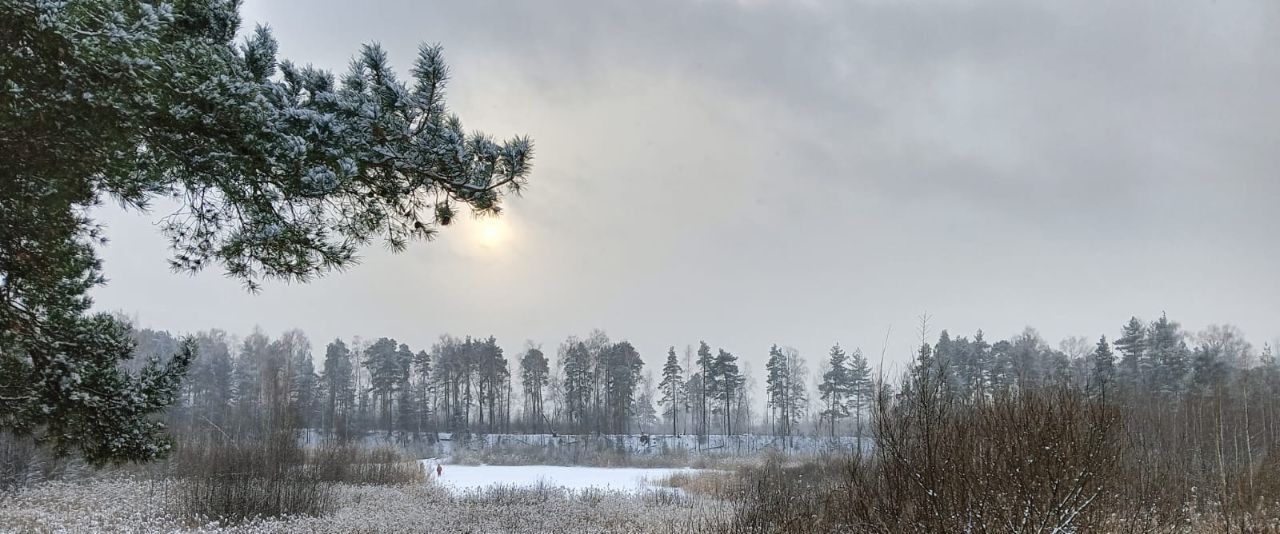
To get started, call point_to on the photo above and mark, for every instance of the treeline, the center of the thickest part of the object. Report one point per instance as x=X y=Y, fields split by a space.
x=596 y=385
x=1157 y=360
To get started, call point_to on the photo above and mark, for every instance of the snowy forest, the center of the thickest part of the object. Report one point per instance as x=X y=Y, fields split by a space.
x=593 y=385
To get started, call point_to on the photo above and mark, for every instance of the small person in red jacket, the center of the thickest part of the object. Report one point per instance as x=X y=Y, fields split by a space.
x=439 y=470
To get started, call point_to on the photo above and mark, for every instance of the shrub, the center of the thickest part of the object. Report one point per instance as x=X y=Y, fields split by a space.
x=18 y=461
x=233 y=480
x=353 y=464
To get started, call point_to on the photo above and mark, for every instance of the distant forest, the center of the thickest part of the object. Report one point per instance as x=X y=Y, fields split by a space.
x=596 y=385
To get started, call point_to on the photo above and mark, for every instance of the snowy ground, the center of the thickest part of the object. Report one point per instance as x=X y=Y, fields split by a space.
x=464 y=477
x=145 y=506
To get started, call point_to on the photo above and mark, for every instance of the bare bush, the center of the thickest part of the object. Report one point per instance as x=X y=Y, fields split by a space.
x=19 y=461
x=354 y=464
x=1035 y=461
x=1032 y=461
x=230 y=481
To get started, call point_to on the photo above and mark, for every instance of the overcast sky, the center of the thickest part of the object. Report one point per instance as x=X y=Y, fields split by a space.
x=805 y=173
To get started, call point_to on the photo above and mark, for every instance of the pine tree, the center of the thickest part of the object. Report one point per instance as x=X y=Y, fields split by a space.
x=670 y=386
x=704 y=384
x=304 y=385
x=338 y=377
x=621 y=366
x=575 y=363
x=1207 y=370
x=725 y=384
x=1167 y=356
x=534 y=372
x=1132 y=347
x=1104 y=367
x=862 y=389
x=980 y=375
x=836 y=387
x=1000 y=374
x=422 y=388
x=282 y=172
x=693 y=388
x=492 y=373
x=784 y=385
x=389 y=366
x=776 y=388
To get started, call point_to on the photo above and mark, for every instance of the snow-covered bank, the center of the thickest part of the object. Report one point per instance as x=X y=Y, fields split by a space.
x=463 y=477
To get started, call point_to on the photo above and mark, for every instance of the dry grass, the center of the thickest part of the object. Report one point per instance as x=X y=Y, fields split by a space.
x=713 y=484
x=354 y=464
x=139 y=505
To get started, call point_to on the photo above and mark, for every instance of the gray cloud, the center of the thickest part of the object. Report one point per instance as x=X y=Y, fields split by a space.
x=806 y=173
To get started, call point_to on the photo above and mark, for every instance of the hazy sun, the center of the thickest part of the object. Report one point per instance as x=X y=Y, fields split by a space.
x=490 y=231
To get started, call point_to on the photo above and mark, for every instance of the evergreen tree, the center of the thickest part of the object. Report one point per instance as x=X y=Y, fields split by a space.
x=1132 y=347
x=724 y=385
x=389 y=366
x=1168 y=356
x=776 y=389
x=1000 y=374
x=1207 y=370
x=979 y=379
x=492 y=373
x=621 y=366
x=798 y=396
x=705 y=360
x=1104 y=367
x=422 y=389
x=338 y=378
x=575 y=363
x=862 y=389
x=534 y=370
x=282 y=172
x=836 y=388
x=670 y=386
x=693 y=387
x=785 y=389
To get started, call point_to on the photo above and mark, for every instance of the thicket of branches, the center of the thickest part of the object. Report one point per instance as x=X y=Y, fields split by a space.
x=1177 y=435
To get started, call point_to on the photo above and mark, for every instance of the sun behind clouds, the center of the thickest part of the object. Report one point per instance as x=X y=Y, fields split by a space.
x=491 y=232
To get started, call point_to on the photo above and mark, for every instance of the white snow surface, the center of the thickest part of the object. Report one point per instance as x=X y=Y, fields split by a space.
x=465 y=477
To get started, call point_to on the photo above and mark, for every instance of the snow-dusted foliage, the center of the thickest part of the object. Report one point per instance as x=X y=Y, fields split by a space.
x=282 y=172
x=86 y=402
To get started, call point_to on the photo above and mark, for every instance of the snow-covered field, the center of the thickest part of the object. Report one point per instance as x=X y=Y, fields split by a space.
x=145 y=506
x=464 y=477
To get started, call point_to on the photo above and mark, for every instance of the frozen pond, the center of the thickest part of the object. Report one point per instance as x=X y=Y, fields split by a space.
x=572 y=477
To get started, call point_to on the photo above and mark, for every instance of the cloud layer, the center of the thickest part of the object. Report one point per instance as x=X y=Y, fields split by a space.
x=805 y=173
